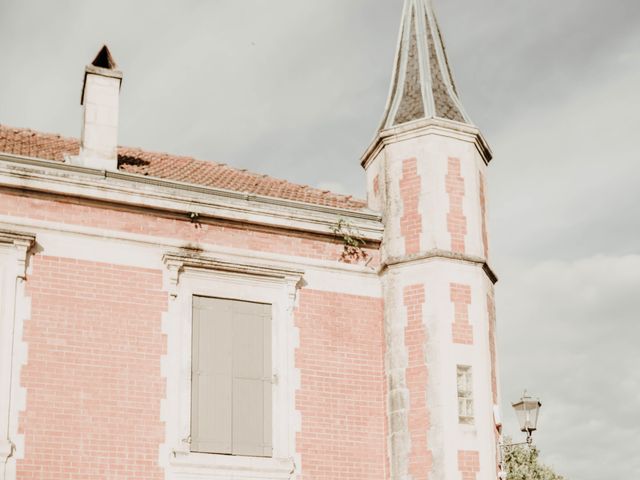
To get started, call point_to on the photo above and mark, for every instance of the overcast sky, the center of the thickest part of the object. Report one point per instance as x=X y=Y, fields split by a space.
x=296 y=88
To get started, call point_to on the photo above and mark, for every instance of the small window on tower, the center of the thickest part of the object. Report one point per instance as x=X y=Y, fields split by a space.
x=465 y=394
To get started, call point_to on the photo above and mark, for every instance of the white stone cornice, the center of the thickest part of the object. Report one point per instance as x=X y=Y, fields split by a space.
x=431 y=126
x=180 y=198
x=440 y=254
x=177 y=263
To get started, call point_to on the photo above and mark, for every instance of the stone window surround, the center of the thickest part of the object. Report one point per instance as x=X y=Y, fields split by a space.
x=465 y=395
x=14 y=253
x=189 y=275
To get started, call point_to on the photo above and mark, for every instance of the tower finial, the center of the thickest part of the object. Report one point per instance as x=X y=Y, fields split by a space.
x=422 y=85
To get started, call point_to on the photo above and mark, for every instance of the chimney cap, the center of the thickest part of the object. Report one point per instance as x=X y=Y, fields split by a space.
x=103 y=64
x=104 y=59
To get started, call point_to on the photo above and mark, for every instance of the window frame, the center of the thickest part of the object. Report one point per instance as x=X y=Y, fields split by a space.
x=191 y=276
x=465 y=396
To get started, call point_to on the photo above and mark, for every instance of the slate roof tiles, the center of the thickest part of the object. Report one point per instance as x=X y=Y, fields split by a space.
x=422 y=85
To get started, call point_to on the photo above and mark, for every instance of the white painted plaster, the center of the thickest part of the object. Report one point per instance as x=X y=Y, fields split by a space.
x=376 y=201
x=14 y=311
x=446 y=435
x=432 y=152
x=99 y=137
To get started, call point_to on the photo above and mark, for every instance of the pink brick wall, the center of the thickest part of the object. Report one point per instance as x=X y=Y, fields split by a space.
x=468 y=464
x=456 y=220
x=461 y=298
x=225 y=234
x=411 y=221
x=341 y=397
x=420 y=457
x=92 y=376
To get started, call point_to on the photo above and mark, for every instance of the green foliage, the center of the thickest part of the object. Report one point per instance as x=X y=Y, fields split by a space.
x=353 y=244
x=522 y=463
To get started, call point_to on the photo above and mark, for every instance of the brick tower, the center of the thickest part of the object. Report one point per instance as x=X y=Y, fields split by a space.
x=426 y=172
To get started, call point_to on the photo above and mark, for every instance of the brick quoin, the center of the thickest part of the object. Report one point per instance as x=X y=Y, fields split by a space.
x=456 y=221
x=483 y=212
x=411 y=221
x=420 y=457
x=468 y=464
x=342 y=387
x=92 y=376
x=234 y=236
x=461 y=298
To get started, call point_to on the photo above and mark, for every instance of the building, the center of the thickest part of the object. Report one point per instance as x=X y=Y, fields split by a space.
x=165 y=317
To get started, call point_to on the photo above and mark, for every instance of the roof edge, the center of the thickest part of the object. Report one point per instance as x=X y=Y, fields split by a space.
x=170 y=195
x=426 y=126
x=125 y=151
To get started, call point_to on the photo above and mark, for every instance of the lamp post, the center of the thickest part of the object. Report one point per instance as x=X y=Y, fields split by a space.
x=527 y=410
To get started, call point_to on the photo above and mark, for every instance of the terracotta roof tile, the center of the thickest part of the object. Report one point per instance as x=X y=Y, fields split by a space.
x=29 y=143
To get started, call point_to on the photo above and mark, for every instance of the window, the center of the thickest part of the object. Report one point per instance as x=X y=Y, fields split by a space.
x=465 y=394
x=200 y=287
x=231 y=381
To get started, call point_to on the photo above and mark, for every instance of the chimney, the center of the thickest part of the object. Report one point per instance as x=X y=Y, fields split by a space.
x=100 y=101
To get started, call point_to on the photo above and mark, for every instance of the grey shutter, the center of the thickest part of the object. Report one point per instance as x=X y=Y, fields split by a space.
x=252 y=379
x=231 y=387
x=212 y=376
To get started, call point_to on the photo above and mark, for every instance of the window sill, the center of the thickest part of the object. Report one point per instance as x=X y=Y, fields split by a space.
x=228 y=466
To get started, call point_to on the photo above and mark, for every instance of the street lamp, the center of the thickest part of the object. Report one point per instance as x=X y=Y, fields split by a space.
x=527 y=410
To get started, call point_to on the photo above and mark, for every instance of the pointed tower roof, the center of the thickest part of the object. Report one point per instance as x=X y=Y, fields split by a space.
x=422 y=85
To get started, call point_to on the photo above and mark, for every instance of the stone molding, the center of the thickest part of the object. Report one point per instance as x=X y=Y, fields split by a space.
x=16 y=246
x=439 y=254
x=420 y=128
x=22 y=242
x=182 y=198
x=177 y=263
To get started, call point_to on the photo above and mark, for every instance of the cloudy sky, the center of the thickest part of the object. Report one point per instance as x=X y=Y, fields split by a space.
x=296 y=88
